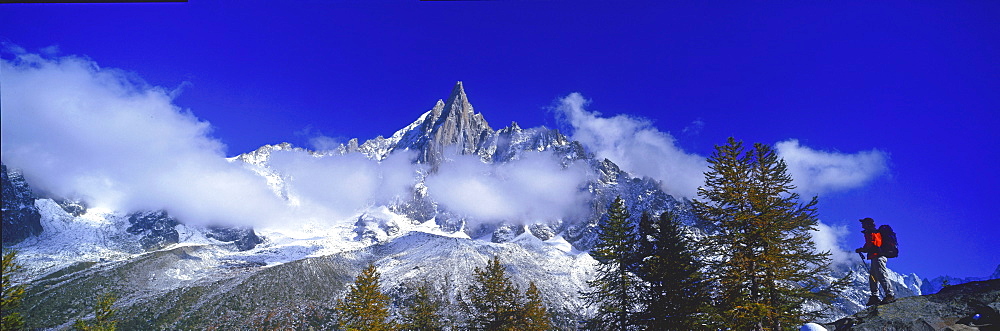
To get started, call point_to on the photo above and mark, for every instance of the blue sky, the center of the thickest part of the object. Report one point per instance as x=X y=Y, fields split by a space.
x=916 y=82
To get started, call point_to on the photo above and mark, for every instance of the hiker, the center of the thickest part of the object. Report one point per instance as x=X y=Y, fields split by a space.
x=878 y=270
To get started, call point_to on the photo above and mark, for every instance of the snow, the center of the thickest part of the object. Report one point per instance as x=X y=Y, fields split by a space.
x=95 y=236
x=812 y=327
x=555 y=246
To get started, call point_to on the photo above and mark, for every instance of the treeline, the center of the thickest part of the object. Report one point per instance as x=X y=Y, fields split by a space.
x=754 y=269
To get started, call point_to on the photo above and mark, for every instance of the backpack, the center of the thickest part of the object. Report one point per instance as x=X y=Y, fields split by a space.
x=890 y=247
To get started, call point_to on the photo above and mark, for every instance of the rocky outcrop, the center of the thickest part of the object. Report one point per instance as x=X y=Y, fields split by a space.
x=155 y=229
x=21 y=218
x=969 y=306
x=76 y=208
x=242 y=237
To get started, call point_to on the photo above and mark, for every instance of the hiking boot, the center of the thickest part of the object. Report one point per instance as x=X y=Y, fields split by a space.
x=889 y=298
x=873 y=300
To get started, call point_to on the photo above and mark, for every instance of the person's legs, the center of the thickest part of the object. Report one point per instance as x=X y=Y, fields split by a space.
x=873 y=281
x=881 y=273
x=873 y=284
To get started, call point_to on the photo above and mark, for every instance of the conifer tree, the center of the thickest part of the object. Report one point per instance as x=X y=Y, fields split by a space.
x=764 y=264
x=103 y=316
x=365 y=307
x=675 y=292
x=423 y=312
x=495 y=302
x=535 y=316
x=12 y=295
x=614 y=290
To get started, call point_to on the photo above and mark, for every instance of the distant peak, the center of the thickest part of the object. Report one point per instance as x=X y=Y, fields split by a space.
x=513 y=126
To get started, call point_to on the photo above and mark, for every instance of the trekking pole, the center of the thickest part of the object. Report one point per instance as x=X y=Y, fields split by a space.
x=867 y=268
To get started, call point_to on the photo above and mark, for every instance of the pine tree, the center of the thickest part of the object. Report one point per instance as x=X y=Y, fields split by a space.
x=535 y=316
x=615 y=289
x=12 y=295
x=676 y=294
x=103 y=316
x=495 y=302
x=766 y=265
x=365 y=307
x=423 y=311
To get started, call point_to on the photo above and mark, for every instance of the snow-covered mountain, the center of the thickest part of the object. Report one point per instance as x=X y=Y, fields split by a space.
x=173 y=275
x=452 y=126
x=931 y=286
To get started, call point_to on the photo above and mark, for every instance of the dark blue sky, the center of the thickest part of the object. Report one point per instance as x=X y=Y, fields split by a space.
x=916 y=80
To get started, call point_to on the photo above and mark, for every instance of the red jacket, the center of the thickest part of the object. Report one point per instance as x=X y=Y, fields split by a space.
x=873 y=240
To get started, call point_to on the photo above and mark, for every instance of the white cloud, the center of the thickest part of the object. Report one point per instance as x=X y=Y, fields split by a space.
x=339 y=186
x=81 y=131
x=829 y=239
x=103 y=135
x=816 y=172
x=323 y=143
x=635 y=146
x=533 y=188
x=317 y=140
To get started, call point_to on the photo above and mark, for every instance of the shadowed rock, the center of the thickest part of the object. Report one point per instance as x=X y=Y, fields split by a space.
x=21 y=218
x=156 y=229
x=243 y=237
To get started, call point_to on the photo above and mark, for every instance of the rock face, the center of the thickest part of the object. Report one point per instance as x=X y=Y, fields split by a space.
x=73 y=207
x=243 y=237
x=969 y=306
x=21 y=218
x=450 y=124
x=156 y=229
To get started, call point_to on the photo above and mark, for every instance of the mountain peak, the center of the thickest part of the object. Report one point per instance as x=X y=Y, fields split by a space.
x=458 y=102
x=452 y=122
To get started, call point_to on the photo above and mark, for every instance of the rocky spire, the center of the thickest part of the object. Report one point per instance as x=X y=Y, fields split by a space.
x=458 y=102
x=452 y=124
